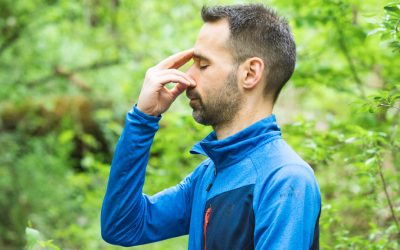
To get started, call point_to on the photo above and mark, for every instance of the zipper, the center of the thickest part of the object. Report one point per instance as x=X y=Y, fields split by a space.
x=206 y=220
x=211 y=183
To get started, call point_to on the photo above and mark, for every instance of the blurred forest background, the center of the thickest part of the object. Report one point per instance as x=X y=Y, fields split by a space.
x=70 y=70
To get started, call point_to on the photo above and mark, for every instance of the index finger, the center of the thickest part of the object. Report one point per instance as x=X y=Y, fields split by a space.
x=177 y=60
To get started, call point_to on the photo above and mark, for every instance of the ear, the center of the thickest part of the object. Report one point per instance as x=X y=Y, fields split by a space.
x=253 y=69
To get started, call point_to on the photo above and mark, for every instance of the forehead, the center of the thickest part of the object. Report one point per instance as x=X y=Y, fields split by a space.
x=212 y=41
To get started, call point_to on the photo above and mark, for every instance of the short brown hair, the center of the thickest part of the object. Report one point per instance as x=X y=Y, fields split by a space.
x=256 y=30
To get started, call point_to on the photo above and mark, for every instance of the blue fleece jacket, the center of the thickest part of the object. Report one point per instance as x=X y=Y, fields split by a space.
x=252 y=192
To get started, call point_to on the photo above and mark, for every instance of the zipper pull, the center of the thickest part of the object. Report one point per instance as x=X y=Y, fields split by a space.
x=210 y=185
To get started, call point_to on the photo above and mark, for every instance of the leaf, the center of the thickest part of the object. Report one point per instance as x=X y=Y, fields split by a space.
x=371 y=109
x=375 y=31
x=66 y=136
x=393 y=8
x=350 y=140
x=32 y=237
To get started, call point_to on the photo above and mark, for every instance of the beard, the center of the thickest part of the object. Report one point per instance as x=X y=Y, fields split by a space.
x=219 y=107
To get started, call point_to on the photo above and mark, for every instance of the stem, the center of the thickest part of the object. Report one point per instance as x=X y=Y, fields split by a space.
x=9 y=41
x=89 y=67
x=352 y=66
x=395 y=125
x=346 y=52
x=389 y=201
x=385 y=105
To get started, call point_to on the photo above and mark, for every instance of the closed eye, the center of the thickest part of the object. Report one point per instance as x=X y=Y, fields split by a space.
x=203 y=67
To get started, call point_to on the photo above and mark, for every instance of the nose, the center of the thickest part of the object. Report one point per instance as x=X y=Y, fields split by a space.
x=191 y=72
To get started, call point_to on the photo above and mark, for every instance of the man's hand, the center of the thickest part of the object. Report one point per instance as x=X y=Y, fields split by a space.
x=155 y=98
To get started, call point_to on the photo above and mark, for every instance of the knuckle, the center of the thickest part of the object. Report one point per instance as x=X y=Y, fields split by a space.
x=149 y=78
x=150 y=71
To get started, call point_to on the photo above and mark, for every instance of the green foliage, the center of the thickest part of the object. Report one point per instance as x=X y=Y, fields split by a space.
x=70 y=70
x=390 y=28
x=34 y=241
x=351 y=137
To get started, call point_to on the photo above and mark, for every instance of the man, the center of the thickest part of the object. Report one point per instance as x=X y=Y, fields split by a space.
x=253 y=191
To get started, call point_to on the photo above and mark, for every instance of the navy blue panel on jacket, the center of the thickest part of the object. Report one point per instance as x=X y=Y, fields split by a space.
x=252 y=192
x=231 y=220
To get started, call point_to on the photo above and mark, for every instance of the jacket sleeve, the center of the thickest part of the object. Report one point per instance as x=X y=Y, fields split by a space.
x=129 y=217
x=288 y=210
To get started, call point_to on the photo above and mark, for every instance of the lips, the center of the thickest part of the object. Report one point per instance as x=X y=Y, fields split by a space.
x=192 y=97
x=194 y=103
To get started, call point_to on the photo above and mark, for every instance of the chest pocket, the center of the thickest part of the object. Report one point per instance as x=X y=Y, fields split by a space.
x=229 y=220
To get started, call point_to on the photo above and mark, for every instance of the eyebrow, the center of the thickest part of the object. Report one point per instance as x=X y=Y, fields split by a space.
x=198 y=56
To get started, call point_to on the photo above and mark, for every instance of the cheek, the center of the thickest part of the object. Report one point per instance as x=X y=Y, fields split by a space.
x=210 y=81
x=211 y=78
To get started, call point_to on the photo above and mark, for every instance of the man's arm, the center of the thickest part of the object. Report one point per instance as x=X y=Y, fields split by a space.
x=288 y=210
x=129 y=217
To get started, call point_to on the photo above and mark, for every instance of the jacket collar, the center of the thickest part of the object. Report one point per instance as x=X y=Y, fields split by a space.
x=236 y=147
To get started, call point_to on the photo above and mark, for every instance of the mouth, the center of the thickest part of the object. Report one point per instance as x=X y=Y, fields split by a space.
x=194 y=99
x=191 y=97
x=194 y=103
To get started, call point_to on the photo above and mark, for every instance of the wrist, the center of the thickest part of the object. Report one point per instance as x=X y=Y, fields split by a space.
x=146 y=113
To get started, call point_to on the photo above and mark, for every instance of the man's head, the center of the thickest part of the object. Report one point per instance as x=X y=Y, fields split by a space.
x=249 y=44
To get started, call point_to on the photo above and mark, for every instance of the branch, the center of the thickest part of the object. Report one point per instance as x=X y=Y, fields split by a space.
x=388 y=106
x=393 y=214
x=353 y=70
x=9 y=41
x=72 y=77
x=396 y=119
x=60 y=72
x=347 y=55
